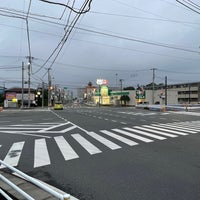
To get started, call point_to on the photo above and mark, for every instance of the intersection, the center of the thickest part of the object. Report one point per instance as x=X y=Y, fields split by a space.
x=54 y=140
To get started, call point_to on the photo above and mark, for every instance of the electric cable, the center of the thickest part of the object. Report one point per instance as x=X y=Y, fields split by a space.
x=61 y=4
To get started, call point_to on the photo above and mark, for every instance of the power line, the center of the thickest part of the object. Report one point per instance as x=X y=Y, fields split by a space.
x=145 y=18
x=66 y=5
x=193 y=8
x=65 y=37
x=140 y=41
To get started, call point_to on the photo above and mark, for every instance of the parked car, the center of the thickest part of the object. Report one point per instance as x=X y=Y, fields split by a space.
x=32 y=103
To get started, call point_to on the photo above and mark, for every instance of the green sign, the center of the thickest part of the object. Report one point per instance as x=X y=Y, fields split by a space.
x=140 y=94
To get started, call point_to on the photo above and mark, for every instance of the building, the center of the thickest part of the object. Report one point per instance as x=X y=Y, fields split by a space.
x=187 y=92
x=13 y=97
x=184 y=93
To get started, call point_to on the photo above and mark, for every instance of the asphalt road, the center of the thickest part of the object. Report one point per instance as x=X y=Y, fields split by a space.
x=107 y=153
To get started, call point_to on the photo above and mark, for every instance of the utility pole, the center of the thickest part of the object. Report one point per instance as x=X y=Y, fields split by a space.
x=165 y=90
x=29 y=78
x=121 y=89
x=29 y=83
x=22 y=106
x=49 y=88
x=153 y=86
x=42 y=94
x=116 y=80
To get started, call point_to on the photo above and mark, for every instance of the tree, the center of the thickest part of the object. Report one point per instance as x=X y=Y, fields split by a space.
x=129 y=88
x=1 y=99
x=125 y=99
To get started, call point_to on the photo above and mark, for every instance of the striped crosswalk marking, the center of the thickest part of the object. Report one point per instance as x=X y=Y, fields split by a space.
x=175 y=129
x=166 y=130
x=65 y=148
x=187 y=130
x=187 y=126
x=104 y=141
x=13 y=155
x=133 y=135
x=41 y=155
x=155 y=131
x=88 y=146
x=145 y=133
x=120 y=138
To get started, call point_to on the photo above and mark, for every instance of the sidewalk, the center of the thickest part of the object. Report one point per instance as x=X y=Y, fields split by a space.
x=34 y=191
x=170 y=107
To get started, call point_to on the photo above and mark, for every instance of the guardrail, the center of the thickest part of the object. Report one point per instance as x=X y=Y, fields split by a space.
x=33 y=181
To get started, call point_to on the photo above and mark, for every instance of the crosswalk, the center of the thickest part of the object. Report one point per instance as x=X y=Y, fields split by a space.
x=93 y=142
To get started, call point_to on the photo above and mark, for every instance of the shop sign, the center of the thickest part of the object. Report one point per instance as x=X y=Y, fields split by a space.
x=102 y=82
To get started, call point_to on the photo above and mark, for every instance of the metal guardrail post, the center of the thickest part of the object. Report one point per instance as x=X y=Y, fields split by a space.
x=16 y=188
x=5 y=195
x=37 y=183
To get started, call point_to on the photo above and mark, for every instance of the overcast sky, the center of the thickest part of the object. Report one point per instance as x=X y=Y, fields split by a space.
x=114 y=40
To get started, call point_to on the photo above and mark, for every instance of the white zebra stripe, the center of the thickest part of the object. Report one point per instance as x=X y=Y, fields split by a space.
x=177 y=127
x=120 y=138
x=104 y=141
x=13 y=155
x=88 y=146
x=145 y=133
x=166 y=130
x=157 y=132
x=133 y=135
x=41 y=155
x=65 y=148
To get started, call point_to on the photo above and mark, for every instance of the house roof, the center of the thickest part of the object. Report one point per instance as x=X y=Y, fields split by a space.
x=19 y=90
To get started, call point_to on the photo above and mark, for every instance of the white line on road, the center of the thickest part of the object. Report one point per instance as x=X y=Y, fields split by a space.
x=133 y=135
x=27 y=133
x=41 y=155
x=176 y=128
x=17 y=128
x=166 y=130
x=65 y=148
x=88 y=146
x=120 y=138
x=104 y=141
x=13 y=155
x=53 y=127
x=68 y=129
x=157 y=132
x=145 y=133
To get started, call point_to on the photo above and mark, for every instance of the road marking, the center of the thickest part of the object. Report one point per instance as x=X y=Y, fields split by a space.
x=17 y=128
x=24 y=125
x=174 y=127
x=133 y=135
x=146 y=134
x=28 y=133
x=88 y=146
x=154 y=131
x=104 y=141
x=53 y=127
x=120 y=138
x=41 y=155
x=166 y=130
x=68 y=129
x=65 y=148
x=13 y=155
